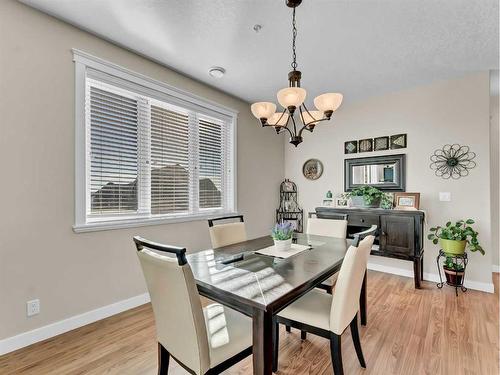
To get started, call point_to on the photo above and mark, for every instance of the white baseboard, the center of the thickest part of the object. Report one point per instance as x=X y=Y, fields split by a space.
x=495 y=268
x=39 y=334
x=434 y=277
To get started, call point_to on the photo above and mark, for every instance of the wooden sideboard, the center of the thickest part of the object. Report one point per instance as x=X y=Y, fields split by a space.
x=400 y=233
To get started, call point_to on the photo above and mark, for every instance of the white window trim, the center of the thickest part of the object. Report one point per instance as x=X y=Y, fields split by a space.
x=84 y=61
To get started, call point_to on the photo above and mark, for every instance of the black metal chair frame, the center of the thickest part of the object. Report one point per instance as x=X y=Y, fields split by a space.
x=211 y=221
x=335 y=342
x=163 y=354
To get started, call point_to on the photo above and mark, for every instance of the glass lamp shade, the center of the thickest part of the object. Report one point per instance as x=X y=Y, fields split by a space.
x=328 y=102
x=263 y=109
x=312 y=117
x=275 y=120
x=291 y=96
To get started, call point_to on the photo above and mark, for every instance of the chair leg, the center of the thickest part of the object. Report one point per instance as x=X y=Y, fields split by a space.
x=276 y=344
x=356 y=341
x=335 y=348
x=303 y=335
x=288 y=329
x=163 y=360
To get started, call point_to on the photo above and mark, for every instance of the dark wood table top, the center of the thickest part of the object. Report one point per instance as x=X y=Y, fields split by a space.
x=236 y=276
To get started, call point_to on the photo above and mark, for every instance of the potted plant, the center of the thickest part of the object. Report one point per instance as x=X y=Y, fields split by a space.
x=282 y=235
x=453 y=239
x=370 y=197
x=453 y=271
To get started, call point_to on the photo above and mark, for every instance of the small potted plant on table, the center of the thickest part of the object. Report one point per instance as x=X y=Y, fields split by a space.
x=453 y=239
x=282 y=235
x=370 y=197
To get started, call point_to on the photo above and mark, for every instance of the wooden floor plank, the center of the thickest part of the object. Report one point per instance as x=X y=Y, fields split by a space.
x=409 y=331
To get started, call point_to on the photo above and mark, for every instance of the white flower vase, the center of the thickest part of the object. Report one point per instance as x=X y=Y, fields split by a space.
x=283 y=245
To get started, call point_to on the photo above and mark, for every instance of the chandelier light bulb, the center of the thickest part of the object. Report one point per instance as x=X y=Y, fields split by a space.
x=328 y=102
x=275 y=119
x=263 y=110
x=291 y=97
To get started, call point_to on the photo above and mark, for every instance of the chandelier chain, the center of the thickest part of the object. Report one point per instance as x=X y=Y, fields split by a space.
x=294 y=35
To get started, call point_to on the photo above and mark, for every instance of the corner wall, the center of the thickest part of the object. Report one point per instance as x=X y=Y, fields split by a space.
x=495 y=166
x=455 y=111
x=40 y=256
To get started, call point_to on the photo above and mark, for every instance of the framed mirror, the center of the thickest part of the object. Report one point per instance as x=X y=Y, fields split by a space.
x=387 y=172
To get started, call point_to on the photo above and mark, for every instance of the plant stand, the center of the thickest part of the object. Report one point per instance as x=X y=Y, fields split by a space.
x=458 y=260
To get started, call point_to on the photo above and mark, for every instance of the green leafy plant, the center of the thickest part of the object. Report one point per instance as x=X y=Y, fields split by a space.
x=458 y=231
x=451 y=265
x=371 y=194
x=282 y=231
x=386 y=201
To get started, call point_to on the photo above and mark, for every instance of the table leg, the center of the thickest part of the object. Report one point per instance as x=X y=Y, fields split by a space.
x=416 y=272
x=362 y=302
x=262 y=342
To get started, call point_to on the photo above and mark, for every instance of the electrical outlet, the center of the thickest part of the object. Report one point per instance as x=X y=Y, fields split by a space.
x=33 y=307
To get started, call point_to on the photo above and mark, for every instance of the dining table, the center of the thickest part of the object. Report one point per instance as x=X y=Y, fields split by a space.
x=259 y=286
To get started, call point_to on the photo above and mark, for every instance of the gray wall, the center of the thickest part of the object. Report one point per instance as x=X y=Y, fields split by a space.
x=40 y=256
x=444 y=112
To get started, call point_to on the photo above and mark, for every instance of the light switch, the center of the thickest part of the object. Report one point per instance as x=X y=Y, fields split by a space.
x=445 y=196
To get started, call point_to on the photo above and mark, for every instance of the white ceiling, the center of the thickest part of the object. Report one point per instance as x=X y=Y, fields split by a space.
x=358 y=47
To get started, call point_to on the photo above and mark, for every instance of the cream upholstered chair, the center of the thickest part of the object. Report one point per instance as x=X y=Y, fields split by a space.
x=334 y=227
x=227 y=233
x=202 y=340
x=328 y=316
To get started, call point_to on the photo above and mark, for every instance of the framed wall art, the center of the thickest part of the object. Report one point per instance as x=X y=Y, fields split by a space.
x=365 y=145
x=380 y=143
x=398 y=141
x=312 y=169
x=350 y=147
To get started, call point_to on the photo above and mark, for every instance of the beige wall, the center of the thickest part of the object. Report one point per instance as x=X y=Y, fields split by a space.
x=495 y=201
x=40 y=256
x=444 y=112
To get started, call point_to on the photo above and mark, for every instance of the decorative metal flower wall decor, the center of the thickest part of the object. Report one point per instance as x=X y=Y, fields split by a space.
x=453 y=161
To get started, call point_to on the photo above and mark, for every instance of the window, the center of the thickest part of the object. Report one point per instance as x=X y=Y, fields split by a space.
x=149 y=154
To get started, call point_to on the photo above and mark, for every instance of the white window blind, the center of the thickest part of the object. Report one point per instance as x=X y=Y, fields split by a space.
x=169 y=161
x=113 y=152
x=150 y=158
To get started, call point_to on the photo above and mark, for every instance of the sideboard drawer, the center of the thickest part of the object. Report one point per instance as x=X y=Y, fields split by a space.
x=363 y=220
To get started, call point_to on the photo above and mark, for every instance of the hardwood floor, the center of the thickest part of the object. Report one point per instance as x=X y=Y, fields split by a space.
x=451 y=335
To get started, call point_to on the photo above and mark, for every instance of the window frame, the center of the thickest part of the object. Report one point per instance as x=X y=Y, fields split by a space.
x=88 y=66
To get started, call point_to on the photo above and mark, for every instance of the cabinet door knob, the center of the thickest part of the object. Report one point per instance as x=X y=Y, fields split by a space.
x=362 y=220
x=384 y=234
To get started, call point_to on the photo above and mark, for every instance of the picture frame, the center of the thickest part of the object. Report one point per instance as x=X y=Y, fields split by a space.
x=398 y=141
x=351 y=147
x=365 y=145
x=341 y=202
x=406 y=201
x=381 y=143
x=327 y=202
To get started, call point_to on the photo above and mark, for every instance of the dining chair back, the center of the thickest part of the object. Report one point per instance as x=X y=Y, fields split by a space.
x=327 y=227
x=224 y=234
x=345 y=302
x=180 y=324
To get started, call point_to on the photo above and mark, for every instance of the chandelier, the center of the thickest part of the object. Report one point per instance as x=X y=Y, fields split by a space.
x=295 y=117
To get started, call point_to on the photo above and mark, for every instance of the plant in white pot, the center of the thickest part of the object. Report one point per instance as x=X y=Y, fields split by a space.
x=282 y=235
